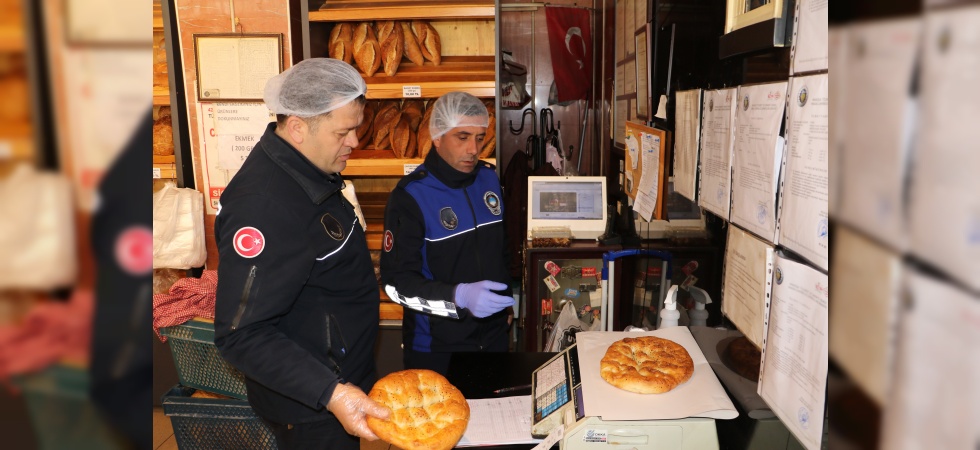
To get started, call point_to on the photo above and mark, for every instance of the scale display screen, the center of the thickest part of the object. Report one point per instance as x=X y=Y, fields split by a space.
x=552 y=388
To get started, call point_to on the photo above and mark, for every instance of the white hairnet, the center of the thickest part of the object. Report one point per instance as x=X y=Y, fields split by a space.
x=457 y=109
x=312 y=87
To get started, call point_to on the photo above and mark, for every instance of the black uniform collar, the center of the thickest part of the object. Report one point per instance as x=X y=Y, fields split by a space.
x=318 y=184
x=446 y=173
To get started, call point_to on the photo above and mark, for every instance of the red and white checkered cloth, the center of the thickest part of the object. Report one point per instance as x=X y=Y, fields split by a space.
x=50 y=332
x=188 y=298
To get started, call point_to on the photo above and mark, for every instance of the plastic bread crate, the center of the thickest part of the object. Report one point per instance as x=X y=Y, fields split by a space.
x=199 y=365
x=208 y=423
x=61 y=412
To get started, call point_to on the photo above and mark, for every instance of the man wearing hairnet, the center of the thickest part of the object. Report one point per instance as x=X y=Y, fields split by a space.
x=444 y=249
x=297 y=301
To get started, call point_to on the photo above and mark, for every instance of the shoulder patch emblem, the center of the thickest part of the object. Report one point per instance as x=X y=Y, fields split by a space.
x=332 y=227
x=389 y=241
x=249 y=242
x=448 y=218
x=493 y=202
x=134 y=250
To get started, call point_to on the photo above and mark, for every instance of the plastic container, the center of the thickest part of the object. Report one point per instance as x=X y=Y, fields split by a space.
x=207 y=423
x=61 y=412
x=199 y=365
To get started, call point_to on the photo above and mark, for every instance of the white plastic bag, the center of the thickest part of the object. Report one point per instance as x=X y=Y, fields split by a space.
x=178 y=228
x=37 y=231
x=566 y=327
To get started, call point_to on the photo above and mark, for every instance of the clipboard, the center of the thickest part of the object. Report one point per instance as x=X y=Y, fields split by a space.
x=635 y=130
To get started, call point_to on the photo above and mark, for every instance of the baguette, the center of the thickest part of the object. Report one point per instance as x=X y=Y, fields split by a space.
x=392 y=45
x=385 y=120
x=412 y=50
x=425 y=136
x=488 y=147
x=413 y=144
x=364 y=130
x=367 y=50
x=400 y=135
x=490 y=139
x=412 y=109
x=341 y=42
x=429 y=42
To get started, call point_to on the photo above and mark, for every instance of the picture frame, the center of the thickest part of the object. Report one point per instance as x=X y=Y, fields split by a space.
x=742 y=13
x=236 y=66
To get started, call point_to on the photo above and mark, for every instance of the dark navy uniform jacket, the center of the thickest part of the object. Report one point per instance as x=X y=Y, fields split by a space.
x=297 y=302
x=444 y=227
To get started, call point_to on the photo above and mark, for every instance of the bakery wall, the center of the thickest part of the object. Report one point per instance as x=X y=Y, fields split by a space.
x=220 y=16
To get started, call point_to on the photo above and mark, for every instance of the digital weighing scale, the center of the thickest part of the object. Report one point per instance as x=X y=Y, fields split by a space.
x=556 y=393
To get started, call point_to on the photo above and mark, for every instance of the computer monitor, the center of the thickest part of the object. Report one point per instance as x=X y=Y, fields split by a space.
x=576 y=202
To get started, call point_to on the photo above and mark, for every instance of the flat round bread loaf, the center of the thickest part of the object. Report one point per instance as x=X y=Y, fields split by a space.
x=646 y=365
x=427 y=412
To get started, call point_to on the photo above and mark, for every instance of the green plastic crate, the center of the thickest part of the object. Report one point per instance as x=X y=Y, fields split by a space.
x=61 y=412
x=208 y=424
x=199 y=365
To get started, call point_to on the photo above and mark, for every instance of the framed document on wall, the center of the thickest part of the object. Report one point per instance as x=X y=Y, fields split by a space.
x=742 y=13
x=236 y=66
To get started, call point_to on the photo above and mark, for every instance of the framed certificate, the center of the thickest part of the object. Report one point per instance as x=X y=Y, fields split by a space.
x=742 y=13
x=236 y=66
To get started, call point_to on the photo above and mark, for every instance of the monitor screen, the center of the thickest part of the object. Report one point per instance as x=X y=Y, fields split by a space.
x=567 y=200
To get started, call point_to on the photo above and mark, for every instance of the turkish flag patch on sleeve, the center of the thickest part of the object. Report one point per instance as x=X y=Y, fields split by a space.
x=249 y=242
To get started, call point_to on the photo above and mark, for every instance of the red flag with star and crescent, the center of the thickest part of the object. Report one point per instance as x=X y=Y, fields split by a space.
x=570 y=40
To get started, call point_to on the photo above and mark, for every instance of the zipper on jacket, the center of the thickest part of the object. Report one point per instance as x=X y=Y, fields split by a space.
x=244 y=302
x=476 y=229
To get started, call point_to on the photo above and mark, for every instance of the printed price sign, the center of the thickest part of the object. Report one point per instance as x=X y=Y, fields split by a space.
x=409 y=168
x=156 y=172
x=412 y=91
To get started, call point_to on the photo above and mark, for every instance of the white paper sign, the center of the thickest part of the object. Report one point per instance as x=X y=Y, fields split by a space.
x=230 y=130
x=804 y=225
x=747 y=283
x=944 y=208
x=649 y=188
x=881 y=121
x=716 y=151
x=412 y=91
x=687 y=119
x=810 y=36
x=793 y=378
x=156 y=172
x=935 y=398
x=757 y=157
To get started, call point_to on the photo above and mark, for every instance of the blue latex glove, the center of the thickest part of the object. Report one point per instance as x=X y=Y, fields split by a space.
x=480 y=299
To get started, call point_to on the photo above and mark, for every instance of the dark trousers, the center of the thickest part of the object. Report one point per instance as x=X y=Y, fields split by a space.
x=324 y=434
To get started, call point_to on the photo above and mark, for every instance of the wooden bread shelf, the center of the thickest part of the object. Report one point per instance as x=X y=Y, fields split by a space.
x=161 y=95
x=348 y=10
x=11 y=36
x=167 y=166
x=473 y=74
x=157 y=15
x=382 y=163
x=16 y=141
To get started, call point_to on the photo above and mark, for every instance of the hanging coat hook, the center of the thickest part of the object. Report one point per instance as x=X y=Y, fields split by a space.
x=534 y=124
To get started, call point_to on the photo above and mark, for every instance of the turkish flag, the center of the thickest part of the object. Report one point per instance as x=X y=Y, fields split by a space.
x=570 y=39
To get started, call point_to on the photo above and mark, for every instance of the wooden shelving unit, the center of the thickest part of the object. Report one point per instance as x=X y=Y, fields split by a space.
x=349 y=10
x=11 y=36
x=166 y=166
x=16 y=141
x=382 y=163
x=161 y=95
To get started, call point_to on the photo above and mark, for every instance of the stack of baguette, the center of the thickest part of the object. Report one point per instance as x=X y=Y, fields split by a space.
x=403 y=128
x=372 y=45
